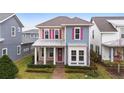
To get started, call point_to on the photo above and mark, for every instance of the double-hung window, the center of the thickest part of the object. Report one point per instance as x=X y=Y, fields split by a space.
x=46 y=33
x=4 y=51
x=18 y=49
x=51 y=52
x=77 y=31
x=73 y=55
x=56 y=33
x=13 y=31
x=81 y=55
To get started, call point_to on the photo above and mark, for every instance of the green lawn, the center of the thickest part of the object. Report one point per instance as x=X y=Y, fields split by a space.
x=101 y=74
x=22 y=65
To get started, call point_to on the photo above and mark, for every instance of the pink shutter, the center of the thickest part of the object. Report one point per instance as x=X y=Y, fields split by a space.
x=60 y=33
x=73 y=33
x=53 y=34
x=81 y=35
x=43 y=34
x=50 y=34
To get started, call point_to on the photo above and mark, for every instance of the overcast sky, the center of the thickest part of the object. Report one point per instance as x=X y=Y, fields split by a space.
x=31 y=19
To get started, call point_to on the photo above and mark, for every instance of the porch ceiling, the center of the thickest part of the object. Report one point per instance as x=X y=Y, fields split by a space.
x=41 y=42
x=114 y=43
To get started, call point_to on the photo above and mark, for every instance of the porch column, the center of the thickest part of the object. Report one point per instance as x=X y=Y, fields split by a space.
x=112 y=58
x=65 y=55
x=54 y=60
x=35 y=55
x=44 y=56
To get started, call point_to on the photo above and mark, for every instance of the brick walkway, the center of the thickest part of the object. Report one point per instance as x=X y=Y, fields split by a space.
x=58 y=72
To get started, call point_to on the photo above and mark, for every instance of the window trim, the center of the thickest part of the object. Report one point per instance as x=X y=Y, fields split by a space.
x=73 y=55
x=58 y=33
x=19 y=46
x=6 y=51
x=49 y=53
x=79 y=33
x=80 y=55
x=14 y=31
x=48 y=33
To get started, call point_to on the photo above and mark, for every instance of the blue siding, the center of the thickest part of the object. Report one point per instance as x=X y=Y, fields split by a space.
x=10 y=42
x=85 y=33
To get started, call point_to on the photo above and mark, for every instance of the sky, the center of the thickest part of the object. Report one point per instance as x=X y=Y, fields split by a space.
x=30 y=20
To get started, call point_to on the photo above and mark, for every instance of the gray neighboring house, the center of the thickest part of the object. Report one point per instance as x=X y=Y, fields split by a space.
x=10 y=35
x=28 y=38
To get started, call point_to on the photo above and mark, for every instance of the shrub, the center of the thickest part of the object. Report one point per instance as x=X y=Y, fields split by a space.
x=8 y=69
x=94 y=57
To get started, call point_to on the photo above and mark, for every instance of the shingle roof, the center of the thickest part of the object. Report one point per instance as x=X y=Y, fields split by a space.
x=58 y=21
x=5 y=15
x=104 y=25
x=31 y=31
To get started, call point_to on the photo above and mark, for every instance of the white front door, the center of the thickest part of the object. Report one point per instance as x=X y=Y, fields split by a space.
x=77 y=56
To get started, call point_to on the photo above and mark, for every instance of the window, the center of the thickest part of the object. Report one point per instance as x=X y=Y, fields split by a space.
x=73 y=55
x=93 y=34
x=42 y=51
x=81 y=55
x=46 y=34
x=4 y=51
x=19 y=29
x=18 y=50
x=77 y=33
x=51 y=52
x=13 y=31
x=56 y=34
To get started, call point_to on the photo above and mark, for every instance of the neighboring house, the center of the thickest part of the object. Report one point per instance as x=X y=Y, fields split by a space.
x=28 y=38
x=10 y=35
x=63 y=40
x=107 y=37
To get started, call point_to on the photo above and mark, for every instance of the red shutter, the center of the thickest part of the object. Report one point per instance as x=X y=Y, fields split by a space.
x=72 y=33
x=43 y=34
x=60 y=34
x=81 y=35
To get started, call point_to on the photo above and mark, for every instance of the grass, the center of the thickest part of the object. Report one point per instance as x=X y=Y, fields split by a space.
x=100 y=73
x=22 y=65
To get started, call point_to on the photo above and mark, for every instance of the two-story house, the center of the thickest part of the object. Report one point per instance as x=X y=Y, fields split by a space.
x=28 y=38
x=10 y=35
x=63 y=40
x=107 y=37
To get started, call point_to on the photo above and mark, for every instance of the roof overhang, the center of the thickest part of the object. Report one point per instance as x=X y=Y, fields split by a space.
x=76 y=24
x=7 y=18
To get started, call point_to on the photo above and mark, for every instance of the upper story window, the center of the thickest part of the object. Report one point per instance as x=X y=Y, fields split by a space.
x=13 y=31
x=46 y=35
x=77 y=31
x=57 y=34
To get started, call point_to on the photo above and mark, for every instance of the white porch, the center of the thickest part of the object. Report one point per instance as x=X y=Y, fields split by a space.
x=49 y=55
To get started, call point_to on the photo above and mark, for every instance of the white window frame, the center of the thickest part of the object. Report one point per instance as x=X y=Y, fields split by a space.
x=58 y=33
x=19 y=29
x=6 y=51
x=75 y=33
x=49 y=53
x=19 y=46
x=80 y=55
x=14 y=31
x=74 y=55
x=45 y=30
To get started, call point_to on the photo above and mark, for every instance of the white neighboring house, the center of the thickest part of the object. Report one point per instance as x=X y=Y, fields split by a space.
x=107 y=37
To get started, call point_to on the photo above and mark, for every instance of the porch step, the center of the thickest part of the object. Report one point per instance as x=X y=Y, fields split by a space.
x=60 y=65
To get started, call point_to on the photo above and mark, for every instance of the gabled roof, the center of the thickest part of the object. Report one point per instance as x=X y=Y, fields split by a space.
x=6 y=16
x=63 y=20
x=104 y=25
x=31 y=31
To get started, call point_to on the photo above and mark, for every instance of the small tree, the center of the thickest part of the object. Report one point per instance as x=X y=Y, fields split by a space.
x=8 y=69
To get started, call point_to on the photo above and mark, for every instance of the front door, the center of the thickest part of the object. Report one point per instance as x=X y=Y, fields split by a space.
x=59 y=54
